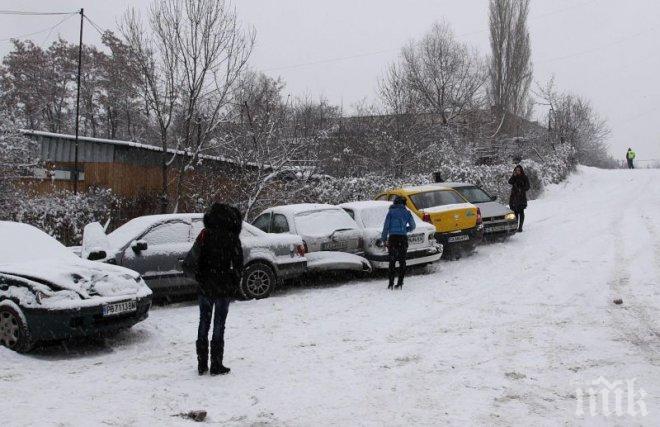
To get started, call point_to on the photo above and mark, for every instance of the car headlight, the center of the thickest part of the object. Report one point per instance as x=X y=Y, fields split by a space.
x=510 y=216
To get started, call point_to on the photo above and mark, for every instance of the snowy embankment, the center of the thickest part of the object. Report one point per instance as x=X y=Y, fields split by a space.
x=504 y=337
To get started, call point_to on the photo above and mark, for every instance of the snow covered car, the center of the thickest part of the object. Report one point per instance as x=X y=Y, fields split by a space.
x=155 y=246
x=47 y=293
x=332 y=239
x=423 y=248
x=499 y=221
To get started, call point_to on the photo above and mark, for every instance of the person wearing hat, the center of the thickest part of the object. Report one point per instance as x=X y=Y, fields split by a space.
x=398 y=223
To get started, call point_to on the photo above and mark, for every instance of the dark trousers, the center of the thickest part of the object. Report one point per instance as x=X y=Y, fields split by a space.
x=520 y=215
x=630 y=164
x=398 y=249
x=206 y=308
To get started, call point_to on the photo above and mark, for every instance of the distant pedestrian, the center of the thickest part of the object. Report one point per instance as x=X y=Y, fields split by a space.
x=630 y=157
x=398 y=223
x=518 y=199
x=216 y=263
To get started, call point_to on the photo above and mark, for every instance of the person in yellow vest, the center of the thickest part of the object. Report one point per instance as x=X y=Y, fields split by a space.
x=630 y=156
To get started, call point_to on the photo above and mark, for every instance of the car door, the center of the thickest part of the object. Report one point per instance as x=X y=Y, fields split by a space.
x=160 y=264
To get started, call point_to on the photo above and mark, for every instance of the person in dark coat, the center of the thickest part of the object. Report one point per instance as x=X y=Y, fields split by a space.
x=398 y=223
x=216 y=263
x=518 y=199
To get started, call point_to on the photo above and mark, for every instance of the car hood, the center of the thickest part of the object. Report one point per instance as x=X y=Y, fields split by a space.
x=490 y=209
x=86 y=278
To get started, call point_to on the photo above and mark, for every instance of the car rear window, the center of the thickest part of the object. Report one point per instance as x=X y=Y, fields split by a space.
x=474 y=194
x=323 y=222
x=431 y=199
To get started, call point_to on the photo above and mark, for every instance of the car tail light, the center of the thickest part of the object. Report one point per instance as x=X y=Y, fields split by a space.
x=301 y=250
x=426 y=218
x=479 y=218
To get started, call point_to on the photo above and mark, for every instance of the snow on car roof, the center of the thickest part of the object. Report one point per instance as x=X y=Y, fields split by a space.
x=301 y=207
x=457 y=184
x=423 y=188
x=445 y=208
x=128 y=231
x=24 y=243
x=364 y=204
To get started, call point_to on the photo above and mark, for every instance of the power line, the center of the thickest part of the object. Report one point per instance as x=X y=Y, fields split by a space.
x=49 y=29
x=28 y=13
x=96 y=27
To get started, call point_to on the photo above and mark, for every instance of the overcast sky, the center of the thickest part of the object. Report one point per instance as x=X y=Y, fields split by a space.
x=605 y=50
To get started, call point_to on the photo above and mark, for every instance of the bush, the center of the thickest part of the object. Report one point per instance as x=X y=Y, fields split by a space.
x=63 y=214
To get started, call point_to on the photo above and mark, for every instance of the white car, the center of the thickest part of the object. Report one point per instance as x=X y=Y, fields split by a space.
x=423 y=248
x=47 y=293
x=332 y=239
x=155 y=246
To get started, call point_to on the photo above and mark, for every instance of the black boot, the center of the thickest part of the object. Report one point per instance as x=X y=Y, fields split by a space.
x=217 y=353
x=202 y=356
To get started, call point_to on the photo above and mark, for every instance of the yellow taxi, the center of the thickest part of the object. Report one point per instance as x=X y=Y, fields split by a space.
x=457 y=222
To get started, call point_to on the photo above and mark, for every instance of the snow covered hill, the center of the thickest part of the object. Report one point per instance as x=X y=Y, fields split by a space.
x=512 y=335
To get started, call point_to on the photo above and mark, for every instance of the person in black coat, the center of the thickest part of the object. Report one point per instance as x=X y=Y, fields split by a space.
x=518 y=199
x=216 y=263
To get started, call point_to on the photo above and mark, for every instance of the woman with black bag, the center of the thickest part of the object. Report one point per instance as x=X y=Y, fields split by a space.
x=518 y=198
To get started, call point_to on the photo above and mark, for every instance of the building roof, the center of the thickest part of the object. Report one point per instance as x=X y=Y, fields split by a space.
x=131 y=144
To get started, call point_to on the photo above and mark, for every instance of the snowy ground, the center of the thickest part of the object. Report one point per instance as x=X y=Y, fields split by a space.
x=504 y=337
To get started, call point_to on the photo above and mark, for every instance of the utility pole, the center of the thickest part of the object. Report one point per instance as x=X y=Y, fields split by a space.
x=80 y=47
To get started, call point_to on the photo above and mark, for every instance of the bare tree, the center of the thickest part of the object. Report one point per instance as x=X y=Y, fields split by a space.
x=572 y=120
x=158 y=67
x=443 y=76
x=510 y=68
x=212 y=52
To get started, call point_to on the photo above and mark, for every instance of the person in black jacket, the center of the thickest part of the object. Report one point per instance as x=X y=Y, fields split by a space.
x=518 y=198
x=216 y=262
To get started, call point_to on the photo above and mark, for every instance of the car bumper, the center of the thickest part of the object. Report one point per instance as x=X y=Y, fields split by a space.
x=466 y=239
x=500 y=228
x=418 y=257
x=291 y=270
x=47 y=325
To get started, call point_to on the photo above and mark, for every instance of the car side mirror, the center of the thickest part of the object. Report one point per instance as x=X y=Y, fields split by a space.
x=97 y=255
x=493 y=198
x=139 y=246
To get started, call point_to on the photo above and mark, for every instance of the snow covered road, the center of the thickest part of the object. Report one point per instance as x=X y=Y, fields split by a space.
x=507 y=336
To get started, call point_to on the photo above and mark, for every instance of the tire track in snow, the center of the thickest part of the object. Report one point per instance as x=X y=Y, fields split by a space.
x=631 y=320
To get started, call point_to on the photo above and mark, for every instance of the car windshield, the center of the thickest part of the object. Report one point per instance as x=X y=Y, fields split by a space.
x=374 y=217
x=24 y=243
x=474 y=194
x=323 y=222
x=431 y=199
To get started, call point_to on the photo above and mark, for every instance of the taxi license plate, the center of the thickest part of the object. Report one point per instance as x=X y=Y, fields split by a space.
x=461 y=238
x=119 y=308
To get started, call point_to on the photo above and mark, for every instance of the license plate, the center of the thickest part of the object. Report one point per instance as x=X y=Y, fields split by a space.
x=334 y=246
x=416 y=239
x=119 y=308
x=461 y=238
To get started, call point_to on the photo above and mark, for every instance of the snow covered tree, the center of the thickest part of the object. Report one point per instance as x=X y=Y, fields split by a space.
x=18 y=156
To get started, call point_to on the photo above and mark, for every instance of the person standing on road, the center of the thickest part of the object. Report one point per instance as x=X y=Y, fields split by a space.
x=630 y=156
x=518 y=198
x=398 y=223
x=216 y=263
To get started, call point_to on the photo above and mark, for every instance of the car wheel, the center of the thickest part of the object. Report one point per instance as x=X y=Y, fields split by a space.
x=14 y=333
x=258 y=281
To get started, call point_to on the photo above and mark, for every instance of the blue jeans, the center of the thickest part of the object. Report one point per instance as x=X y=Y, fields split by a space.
x=206 y=306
